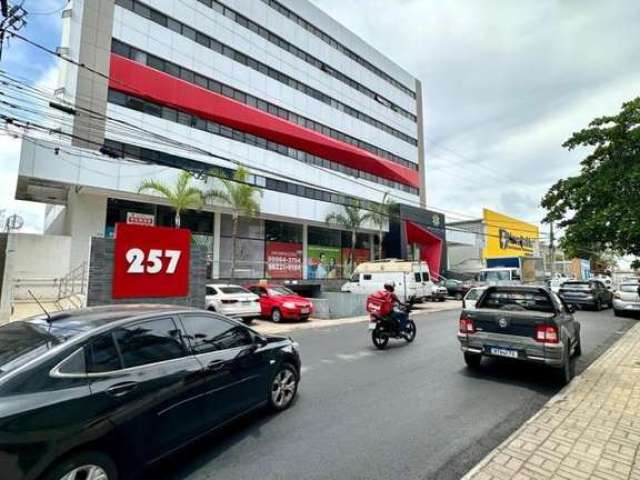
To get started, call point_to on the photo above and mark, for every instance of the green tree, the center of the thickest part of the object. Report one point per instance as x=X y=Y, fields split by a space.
x=182 y=195
x=239 y=195
x=351 y=219
x=599 y=209
x=381 y=212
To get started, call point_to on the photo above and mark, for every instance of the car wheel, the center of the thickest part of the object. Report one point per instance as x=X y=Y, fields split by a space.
x=458 y=296
x=472 y=359
x=211 y=309
x=567 y=370
x=276 y=315
x=284 y=387
x=86 y=465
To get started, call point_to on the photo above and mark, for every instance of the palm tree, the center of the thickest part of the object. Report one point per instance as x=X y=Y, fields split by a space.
x=239 y=195
x=351 y=219
x=180 y=196
x=381 y=214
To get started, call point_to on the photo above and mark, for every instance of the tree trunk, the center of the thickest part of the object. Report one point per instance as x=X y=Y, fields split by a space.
x=177 y=220
x=234 y=235
x=380 y=244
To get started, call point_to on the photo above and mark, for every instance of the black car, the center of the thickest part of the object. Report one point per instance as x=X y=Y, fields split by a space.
x=456 y=288
x=591 y=293
x=102 y=392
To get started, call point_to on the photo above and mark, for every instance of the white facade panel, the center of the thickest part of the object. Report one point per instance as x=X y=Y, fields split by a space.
x=183 y=51
x=315 y=46
x=278 y=165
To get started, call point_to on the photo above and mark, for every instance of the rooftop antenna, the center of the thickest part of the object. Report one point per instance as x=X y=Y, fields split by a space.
x=49 y=319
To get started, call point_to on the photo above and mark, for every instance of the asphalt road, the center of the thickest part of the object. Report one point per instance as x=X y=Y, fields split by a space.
x=409 y=412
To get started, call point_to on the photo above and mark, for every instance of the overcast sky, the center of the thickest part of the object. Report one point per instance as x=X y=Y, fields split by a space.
x=504 y=83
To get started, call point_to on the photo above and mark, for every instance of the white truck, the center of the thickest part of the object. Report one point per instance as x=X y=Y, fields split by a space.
x=412 y=279
x=515 y=271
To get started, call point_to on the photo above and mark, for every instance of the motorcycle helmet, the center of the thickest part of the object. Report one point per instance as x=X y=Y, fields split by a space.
x=389 y=286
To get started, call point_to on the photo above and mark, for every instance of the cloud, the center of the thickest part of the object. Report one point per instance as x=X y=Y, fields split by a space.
x=505 y=84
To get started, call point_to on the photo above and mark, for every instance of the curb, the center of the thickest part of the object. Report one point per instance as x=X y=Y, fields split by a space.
x=559 y=397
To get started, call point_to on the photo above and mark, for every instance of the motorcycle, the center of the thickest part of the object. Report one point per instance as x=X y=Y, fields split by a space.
x=384 y=327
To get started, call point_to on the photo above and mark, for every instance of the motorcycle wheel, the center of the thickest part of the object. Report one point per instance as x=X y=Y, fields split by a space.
x=410 y=331
x=379 y=341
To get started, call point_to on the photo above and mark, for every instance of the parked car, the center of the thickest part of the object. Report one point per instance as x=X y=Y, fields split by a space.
x=233 y=300
x=438 y=292
x=456 y=288
x=472 y=296
x=530 y=324
x=279 y=303
x=626 y=300
x=100 y=392
x=588 y=293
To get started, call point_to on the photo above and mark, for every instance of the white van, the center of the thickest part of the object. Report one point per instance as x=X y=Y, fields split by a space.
x=412 y=279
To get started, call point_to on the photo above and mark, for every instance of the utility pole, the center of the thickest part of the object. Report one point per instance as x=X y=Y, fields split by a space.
x=12 y=18
x=552 y=249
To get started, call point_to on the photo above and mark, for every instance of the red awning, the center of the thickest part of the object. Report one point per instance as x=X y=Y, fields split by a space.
x=430 y=245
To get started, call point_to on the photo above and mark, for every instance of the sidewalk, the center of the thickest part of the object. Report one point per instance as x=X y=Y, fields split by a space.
x=268 y=327
x=590 y=430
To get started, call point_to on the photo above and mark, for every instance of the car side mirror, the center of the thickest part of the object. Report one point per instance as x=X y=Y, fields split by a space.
x=259 y=341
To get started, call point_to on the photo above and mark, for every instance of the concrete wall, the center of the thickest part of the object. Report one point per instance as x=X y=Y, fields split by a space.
x=101 y=277
x=340 y=305
x=34 y=262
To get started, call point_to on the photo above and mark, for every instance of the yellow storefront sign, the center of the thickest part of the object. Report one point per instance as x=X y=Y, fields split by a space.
x=507 y=236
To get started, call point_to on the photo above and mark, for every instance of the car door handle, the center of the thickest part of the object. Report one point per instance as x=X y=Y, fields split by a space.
x=120 y=389
x=215 y=365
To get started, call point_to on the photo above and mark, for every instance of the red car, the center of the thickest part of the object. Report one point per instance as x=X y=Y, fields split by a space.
x=279 y=303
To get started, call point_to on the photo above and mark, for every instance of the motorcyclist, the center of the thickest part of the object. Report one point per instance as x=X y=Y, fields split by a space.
x=400 y=316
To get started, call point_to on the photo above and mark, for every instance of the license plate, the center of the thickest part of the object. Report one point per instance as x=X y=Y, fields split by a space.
x=503 y=352
x=247 y=303
x=304 y=310
x=372 y=326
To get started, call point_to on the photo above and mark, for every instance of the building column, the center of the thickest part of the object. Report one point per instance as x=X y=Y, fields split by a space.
x=421 y=159
x=305 y=232
x=86 y=217
x=216 y=245
x=372 y=247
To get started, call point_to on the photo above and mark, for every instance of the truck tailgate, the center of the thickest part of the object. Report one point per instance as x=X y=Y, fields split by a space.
x=508 y=322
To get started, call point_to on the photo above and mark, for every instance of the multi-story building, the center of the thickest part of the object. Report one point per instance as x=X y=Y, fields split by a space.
x=319 y=117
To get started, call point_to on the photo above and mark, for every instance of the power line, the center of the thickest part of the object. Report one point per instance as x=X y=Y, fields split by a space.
x=202 y=151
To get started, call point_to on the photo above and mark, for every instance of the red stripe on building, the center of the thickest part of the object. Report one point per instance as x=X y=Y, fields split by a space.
x=142 y=81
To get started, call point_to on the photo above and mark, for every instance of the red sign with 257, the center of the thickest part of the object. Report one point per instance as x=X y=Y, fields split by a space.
x=151 y=262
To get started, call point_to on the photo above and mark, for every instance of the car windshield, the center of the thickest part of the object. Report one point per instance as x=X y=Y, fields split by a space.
x=576 y=285
x=629 y=287
x=22 y=341
x=233 y=290
x=277 y=291
x=494 y=276
x=517 y=300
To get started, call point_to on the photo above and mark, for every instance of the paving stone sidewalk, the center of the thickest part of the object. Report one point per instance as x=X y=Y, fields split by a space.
x=590 y=430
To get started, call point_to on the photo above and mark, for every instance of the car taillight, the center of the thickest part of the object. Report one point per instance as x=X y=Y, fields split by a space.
x=229 y=301
x=547 y=334
x=466 y=324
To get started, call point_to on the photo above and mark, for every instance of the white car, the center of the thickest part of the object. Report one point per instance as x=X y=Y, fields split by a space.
x=471 y=298
x=626 y=300
x=233 y=301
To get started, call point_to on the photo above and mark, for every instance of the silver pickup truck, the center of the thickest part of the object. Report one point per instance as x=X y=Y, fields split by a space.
x=525 y=323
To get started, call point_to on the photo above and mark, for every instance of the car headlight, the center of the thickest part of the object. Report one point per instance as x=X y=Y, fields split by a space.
x=289 y=305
